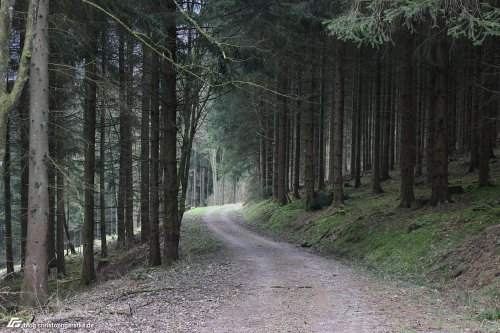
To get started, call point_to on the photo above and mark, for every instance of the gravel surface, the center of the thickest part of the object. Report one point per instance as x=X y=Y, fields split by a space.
x=255 y=284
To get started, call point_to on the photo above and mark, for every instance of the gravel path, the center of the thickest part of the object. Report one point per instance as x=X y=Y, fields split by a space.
x=290 y=289
x=258 y=285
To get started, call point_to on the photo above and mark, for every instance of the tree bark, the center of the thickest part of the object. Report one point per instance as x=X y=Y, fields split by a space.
x=487 y=113
x=282 y=138
x=358 y=110
x=386 y=118
x=154 y=232
x=378 y=110
x=51 y=227
x=394 y=121
x=440 y=192
x=263 y=170
x=407 y=148
x=35 y=290
x=89 y=127
x=60 y=211
x=146 y=95
x=171 y=223
x=24 y=130
x=9 y=258
x=321 y=127
x=474 y=123
x=276 y=139
x=430 y=123
x=122 y=179
x=128 y=140
x=309 y=137
x=338 y=116
x=419 y=113
x=213 y=165
x=296 y=163
x=102 y=154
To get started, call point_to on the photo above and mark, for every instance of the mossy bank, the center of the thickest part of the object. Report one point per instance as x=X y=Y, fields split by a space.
x=453 y=247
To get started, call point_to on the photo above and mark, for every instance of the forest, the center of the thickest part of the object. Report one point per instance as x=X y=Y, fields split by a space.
x=138 y=136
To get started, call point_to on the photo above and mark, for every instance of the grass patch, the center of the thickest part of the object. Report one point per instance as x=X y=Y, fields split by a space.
x=489 y=315
x=197 y=212
x=195 y=237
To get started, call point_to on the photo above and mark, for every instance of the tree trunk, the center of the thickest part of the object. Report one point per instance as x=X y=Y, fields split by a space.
x=223 y=194
x=154 y=232
x=123 y=109
x=202 y=186
x=57 y=98
x=282 y=138
x=440 y=192
x=102 y=155
x=386 y=119
x=60 y=166
x=24 y=130
x=9 y=258
x=359 y=109
x=474 y=123
x=195 y=180
x=338 y=119
x=129 y=181
x=431 y=119
x=419 y=113
x=394 y=120
x=487 y=113
x=36 y=271
x=213 y=164
x=276 y=139
x=378 y=110
x=235 y=183
x=146 y=75
x=321 y=136
x=89 y=127
x=309 y=137
x=269 y=161
x=296 y=163
x=263 y=170
x=51 y=227
x=171 y=223
x=66 y=222
x=355 y=102
x=407 y=148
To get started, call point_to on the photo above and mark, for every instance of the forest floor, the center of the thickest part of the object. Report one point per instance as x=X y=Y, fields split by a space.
x=364 y=266
x=232 y=279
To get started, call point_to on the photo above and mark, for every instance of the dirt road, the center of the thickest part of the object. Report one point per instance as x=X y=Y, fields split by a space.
x=290 y=289
x=254 y=284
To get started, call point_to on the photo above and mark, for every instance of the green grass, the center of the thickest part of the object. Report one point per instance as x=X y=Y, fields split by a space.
x=489 y=315
x=196 y=212
x=195 y=238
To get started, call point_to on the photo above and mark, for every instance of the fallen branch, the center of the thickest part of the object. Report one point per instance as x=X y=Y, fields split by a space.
x=117 y=312
x=152 y=290
x=67 y=281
